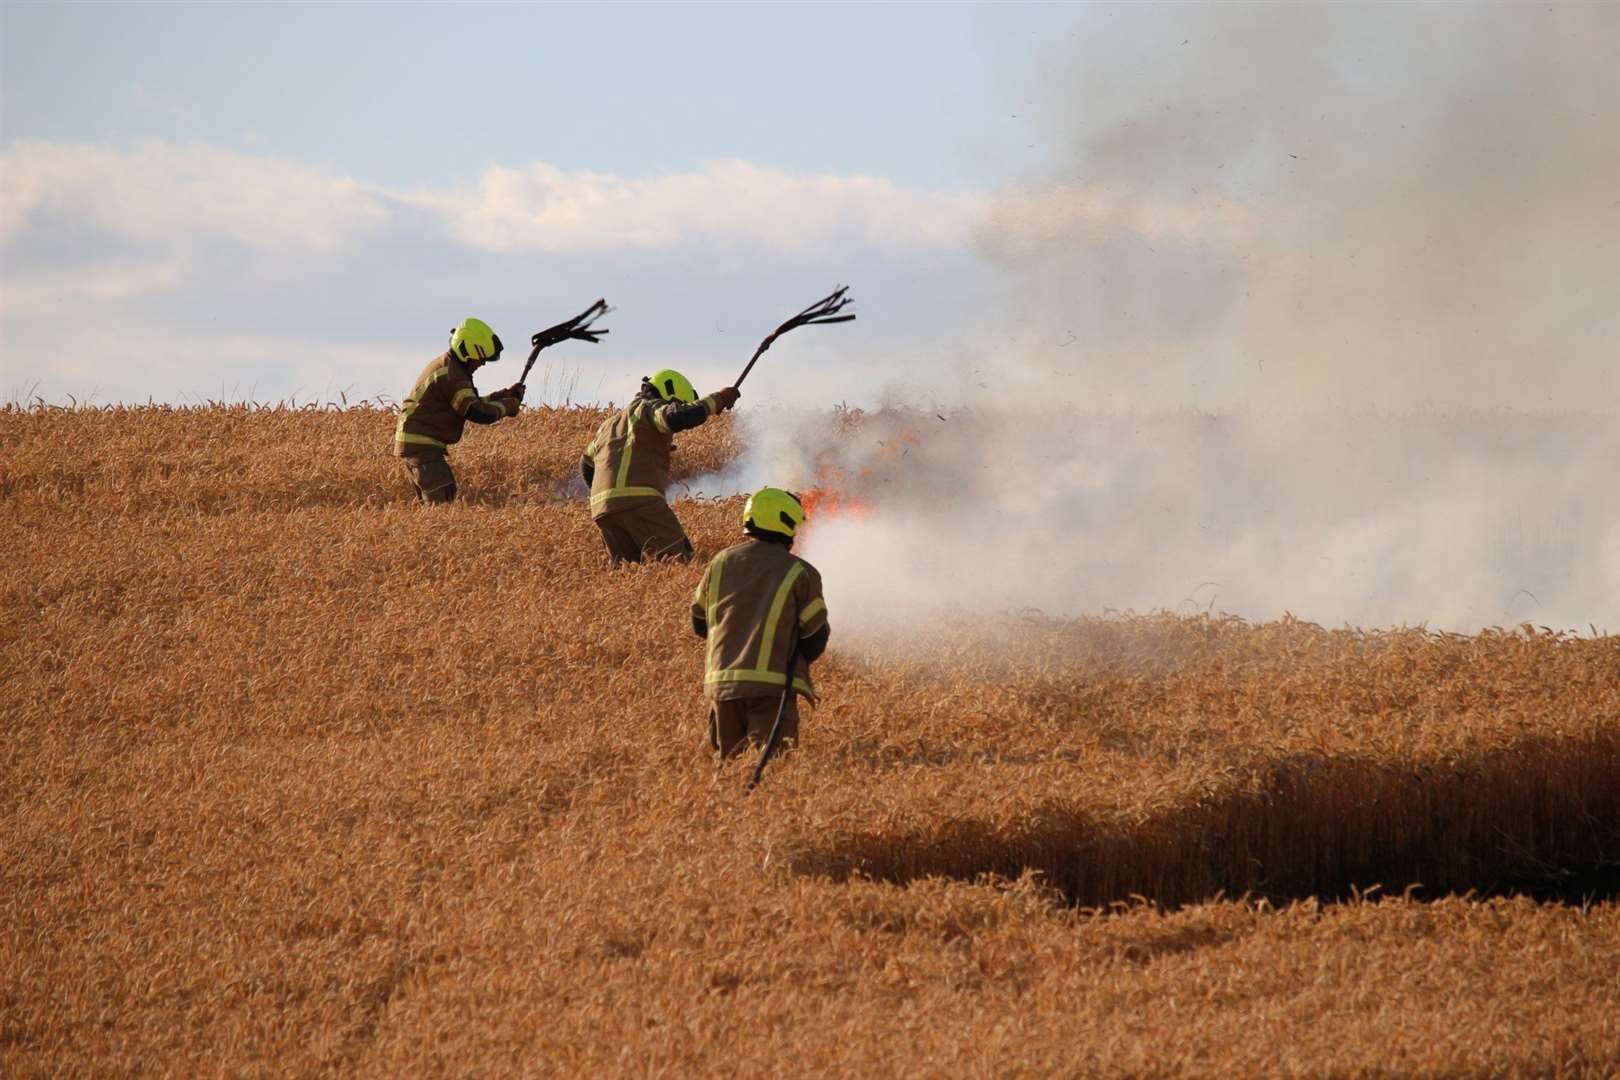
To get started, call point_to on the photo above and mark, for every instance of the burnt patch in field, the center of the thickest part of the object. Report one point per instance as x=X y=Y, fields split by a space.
x=1540 y=819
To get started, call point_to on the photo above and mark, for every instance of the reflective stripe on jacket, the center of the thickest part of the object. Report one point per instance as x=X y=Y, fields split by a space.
x=759 y=600
x=630 y=453
x=434 y=414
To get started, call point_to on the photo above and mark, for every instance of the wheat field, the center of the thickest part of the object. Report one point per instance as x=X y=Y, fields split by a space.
x=302 y=778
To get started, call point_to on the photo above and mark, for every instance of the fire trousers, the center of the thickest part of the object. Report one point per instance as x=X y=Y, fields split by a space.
x=646 y=530
x=431 y=476
x=736 y=722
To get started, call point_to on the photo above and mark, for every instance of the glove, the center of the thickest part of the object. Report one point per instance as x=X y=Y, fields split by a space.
x=514 y=391
x=726 y=398
x=511 y=403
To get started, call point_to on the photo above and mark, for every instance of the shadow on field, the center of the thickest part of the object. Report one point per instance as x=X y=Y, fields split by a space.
x=1541 y=819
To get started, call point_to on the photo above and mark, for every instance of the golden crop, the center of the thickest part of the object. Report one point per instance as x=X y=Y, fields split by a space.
x=300 y=777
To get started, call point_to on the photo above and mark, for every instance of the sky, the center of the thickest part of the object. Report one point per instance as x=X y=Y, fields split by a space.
x=1144 y=206
x=254 y=200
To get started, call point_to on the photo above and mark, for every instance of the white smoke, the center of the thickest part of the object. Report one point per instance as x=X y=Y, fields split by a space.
x=1455 y=521
x=1321 y=315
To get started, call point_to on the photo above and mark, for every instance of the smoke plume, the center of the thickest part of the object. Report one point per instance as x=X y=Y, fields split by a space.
x=1317 y=312
x=1394 y=206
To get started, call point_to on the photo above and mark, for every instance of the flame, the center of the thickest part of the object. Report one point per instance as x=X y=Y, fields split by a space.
x=841 y=492
x=831 y=497
x=826 y=504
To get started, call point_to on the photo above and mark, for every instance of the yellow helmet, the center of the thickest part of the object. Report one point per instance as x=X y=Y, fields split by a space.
x=774 y=510
x=474 y=340
x=673 y=386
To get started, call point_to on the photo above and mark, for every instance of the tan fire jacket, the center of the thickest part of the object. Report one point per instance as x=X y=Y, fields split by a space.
x=630 y=454
x=758 y=599
x=435 y=413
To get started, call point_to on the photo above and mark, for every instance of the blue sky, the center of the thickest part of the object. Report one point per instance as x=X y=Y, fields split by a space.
x=404 y=93
x=1176 y=205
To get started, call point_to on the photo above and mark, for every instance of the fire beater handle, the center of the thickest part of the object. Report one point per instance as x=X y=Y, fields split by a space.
x=775 y=738
x=822 y=311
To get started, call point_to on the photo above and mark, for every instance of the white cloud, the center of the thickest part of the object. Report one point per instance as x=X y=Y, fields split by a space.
x=228 y=271
x=544 y=208
x=168 y=194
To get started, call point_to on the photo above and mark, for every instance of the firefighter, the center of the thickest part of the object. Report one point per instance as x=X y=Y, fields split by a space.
x=757 y=604
x=442 y=402
x=627 y=467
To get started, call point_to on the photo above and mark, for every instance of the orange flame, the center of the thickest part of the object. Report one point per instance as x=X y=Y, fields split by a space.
x=827 y=504
x=837 y=492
